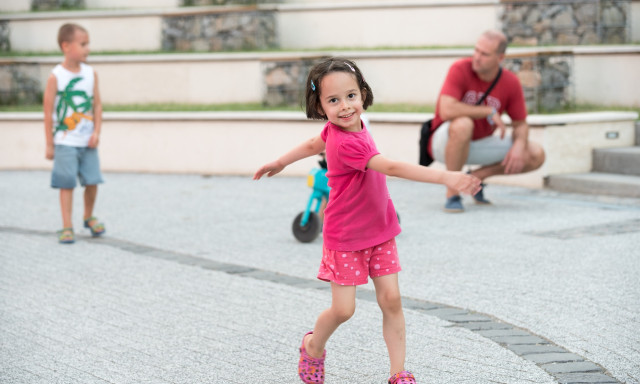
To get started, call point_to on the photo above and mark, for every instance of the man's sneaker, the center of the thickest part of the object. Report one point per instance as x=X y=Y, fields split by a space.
x=454 y=204
x=479 y=197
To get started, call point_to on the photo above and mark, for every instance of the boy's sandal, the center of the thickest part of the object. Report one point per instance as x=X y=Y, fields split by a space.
x=404 y=377
x=66 y=236
x=96 y=228
x=310 y=369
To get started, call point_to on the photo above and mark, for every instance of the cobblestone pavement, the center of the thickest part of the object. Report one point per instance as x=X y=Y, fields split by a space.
x=199 y=280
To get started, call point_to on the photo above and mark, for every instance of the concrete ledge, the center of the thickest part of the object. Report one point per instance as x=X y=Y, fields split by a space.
x=25 y=5
x=597 y=183
x=226 y=143
x=209 y=78
x=417 y=20
x=458 y=22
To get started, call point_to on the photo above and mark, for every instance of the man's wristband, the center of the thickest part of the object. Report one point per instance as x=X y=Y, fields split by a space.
x=490 y=116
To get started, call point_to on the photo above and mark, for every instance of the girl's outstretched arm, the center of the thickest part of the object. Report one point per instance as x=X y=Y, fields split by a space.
x=308 y=148
x=462 y=182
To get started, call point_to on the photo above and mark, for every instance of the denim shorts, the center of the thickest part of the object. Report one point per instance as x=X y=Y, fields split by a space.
x=70 y=163
x=486 y=151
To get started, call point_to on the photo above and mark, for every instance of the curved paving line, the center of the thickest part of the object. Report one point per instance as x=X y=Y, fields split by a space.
x=565 y=366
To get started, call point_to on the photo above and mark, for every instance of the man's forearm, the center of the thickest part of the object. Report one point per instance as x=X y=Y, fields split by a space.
x=450 y=109
x=521 y=132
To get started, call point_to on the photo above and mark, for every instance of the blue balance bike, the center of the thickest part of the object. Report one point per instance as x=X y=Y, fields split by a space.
x=307 y=225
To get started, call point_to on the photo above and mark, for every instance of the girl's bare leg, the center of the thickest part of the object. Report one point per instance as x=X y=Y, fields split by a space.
x=343 y=305
x=393 y=327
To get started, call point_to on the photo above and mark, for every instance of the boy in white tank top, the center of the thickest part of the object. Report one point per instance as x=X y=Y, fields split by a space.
x=72 y=121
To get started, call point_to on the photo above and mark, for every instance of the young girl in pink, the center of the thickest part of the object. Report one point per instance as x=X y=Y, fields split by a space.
x=360 y=222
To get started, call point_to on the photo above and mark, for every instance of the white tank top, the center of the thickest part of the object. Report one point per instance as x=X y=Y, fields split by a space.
x=73 y=107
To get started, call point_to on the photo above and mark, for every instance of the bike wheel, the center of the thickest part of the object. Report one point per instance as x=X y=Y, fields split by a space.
x=309 y=232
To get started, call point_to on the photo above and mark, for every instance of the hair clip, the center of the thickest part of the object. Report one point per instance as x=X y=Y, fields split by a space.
x=313 y=86
x=349 y=65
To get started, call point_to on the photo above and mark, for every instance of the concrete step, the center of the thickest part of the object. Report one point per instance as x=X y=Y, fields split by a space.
x=596 y=183
x=248 y=77
x=209 y=142
x=625 y=161
x=296 y=24
x=26 y=5
x=259 y=27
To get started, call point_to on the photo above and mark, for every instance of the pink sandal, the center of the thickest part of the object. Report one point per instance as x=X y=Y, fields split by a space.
x=310 y=369
x=404 y=377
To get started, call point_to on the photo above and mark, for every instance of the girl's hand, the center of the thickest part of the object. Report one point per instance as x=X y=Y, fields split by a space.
x=463 y=182
x=270 y=169
x=49 y=152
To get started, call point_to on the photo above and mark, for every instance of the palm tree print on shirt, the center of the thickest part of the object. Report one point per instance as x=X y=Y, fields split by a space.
x=67 y=100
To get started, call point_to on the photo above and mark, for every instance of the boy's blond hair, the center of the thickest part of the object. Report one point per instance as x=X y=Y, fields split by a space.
x=67 y=32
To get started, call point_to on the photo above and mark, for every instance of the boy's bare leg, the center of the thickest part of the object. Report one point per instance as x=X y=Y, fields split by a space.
x=66 y=205
x=343 y=305
x=393 y=327
x=90 y=193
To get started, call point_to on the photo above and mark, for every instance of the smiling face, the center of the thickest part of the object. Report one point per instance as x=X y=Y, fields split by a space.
x=341 y=100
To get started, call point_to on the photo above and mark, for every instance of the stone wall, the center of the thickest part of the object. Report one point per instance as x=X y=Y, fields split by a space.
x=567 y=22
x=52 y=5
x=5 y=42
x=546 y=81
x=221 y=31
x=285 y=82
x=188 y=3
x=20 y=84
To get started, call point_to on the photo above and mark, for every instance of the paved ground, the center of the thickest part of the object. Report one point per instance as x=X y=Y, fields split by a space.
x=199 y=280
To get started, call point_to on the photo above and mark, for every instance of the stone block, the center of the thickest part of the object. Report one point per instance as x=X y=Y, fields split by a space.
x=519 y=340
x=466 y=318
x=546 y=358
x=528 y=41
x=563 y=19
x=571 y=367
x=585 y=378
x=530 y=349
x=586 y=13
x=490 y=325
x=612 y=16
x=567 y=38
x=503 y=332
x=529 y=78
x=6 y=79
x=444 y=312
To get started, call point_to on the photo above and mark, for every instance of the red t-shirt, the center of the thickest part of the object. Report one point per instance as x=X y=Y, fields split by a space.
x=360 y=213
x=464 y=85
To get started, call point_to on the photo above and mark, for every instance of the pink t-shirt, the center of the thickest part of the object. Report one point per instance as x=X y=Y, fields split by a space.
x=360 y=213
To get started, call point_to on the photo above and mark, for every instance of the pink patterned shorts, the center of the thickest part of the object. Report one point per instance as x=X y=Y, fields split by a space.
x=354 y=267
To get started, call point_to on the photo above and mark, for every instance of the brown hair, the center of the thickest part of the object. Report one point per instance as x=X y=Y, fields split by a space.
x=67 y=32
x=319 y=71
